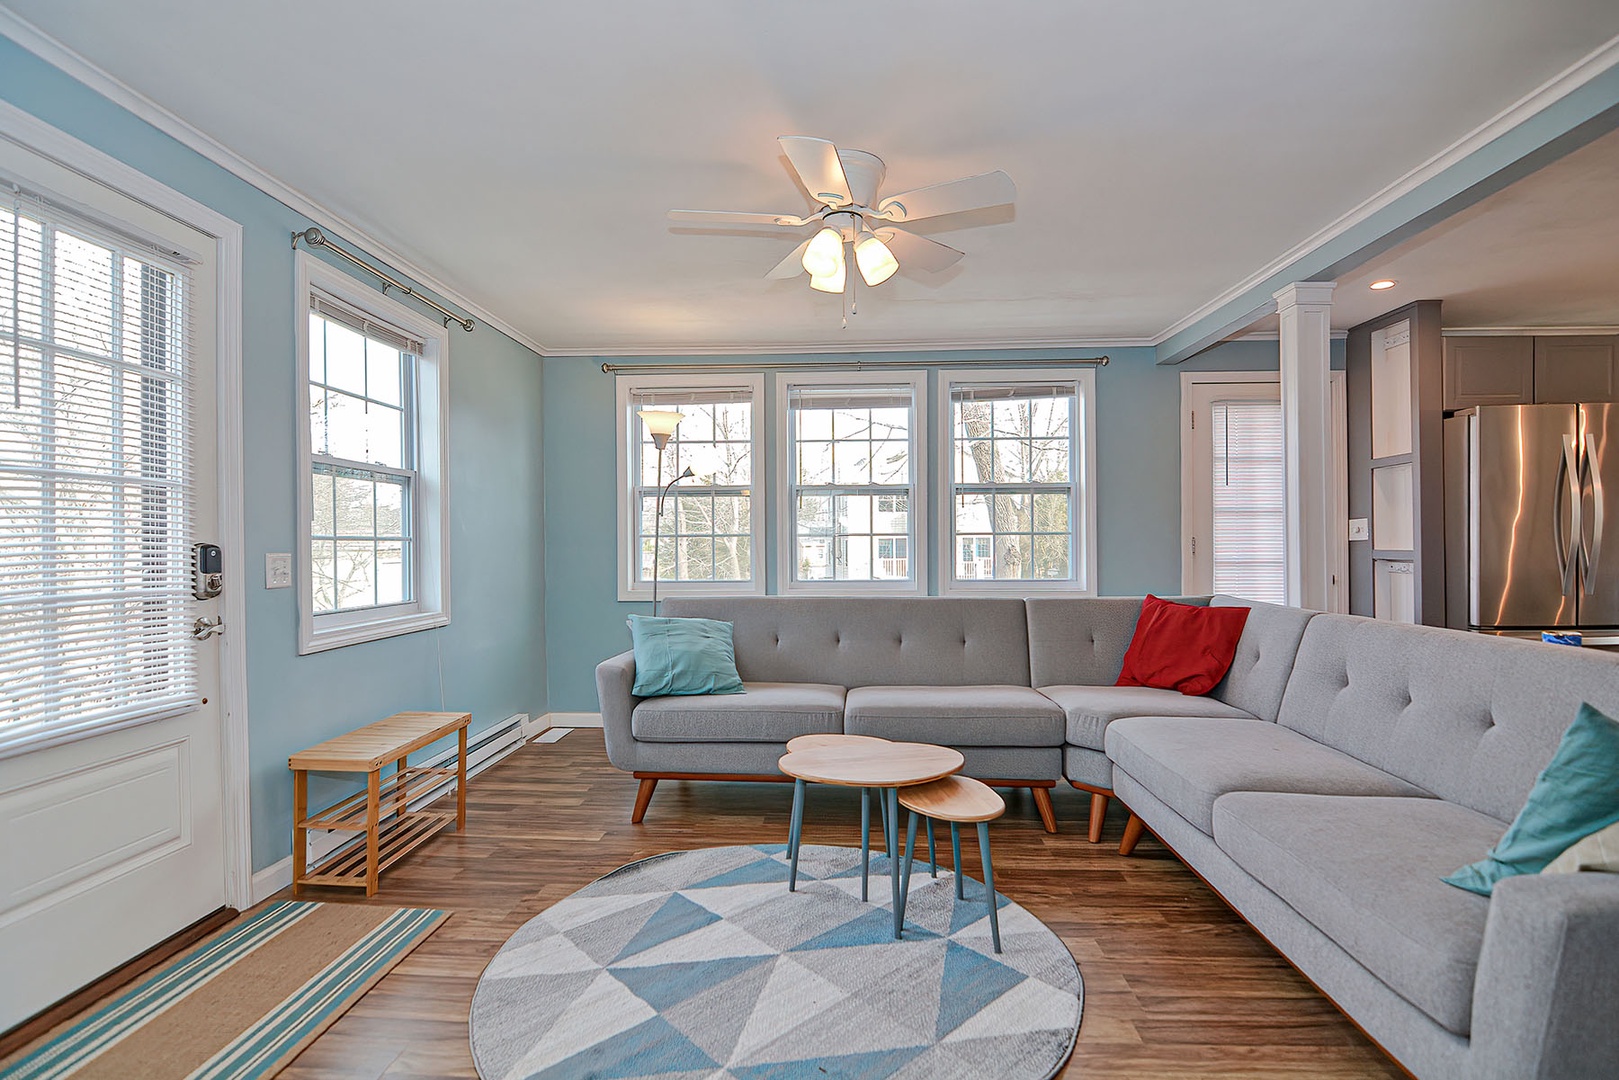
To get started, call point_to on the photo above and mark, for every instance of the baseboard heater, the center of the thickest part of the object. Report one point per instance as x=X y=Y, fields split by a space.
x=483 y=750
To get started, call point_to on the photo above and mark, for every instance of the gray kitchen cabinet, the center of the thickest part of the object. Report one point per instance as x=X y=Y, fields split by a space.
x=1489 y=371
x=1575 y=369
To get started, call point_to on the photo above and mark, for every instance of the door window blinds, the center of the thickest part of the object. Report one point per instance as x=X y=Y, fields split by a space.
x=95 y=477
x=1249 y=523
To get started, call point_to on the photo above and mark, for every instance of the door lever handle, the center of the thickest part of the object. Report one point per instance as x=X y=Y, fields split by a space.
x=203 y=629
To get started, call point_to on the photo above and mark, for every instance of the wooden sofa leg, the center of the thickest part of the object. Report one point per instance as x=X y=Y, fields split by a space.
x=1132 y=834
x=1098 y=816
x=1048 y=813
x=643 y=796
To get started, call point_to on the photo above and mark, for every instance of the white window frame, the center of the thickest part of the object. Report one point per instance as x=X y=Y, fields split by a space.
x=786 y=530
x=1081 y=474
x=430 y=565
x=1192 y=475
x=630 y=587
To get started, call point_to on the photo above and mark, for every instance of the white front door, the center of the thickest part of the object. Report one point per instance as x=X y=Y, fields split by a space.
x=111 y=833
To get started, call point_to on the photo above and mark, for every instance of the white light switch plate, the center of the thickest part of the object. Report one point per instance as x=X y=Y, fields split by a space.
x=278 y=570
x=1358 y=529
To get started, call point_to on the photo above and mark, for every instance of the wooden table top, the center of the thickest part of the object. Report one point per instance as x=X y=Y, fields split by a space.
x=954 y=798
x=807 y=742
x=872 y=764
x=374 y=745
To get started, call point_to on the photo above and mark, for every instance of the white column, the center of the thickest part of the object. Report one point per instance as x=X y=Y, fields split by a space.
x=1305 y=310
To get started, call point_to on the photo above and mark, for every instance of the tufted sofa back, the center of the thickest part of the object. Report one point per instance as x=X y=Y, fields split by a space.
x=1469 y=717
x=933 y=641
x=1264 y=659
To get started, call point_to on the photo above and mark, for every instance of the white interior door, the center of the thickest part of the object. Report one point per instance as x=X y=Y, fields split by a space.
x=111 y=834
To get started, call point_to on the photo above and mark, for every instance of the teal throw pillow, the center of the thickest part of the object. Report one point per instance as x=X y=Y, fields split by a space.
x=683 y=656
x=1574 y=796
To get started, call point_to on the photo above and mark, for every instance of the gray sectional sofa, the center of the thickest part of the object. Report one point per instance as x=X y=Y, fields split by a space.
x=1321 y=789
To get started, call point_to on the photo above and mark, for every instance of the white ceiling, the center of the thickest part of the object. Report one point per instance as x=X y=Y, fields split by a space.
x=525 y=152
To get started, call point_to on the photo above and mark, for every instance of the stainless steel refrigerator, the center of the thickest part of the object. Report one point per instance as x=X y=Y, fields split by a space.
x=1531 y=542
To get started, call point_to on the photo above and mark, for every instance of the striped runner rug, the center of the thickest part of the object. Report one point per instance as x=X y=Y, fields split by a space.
x=240 y=1005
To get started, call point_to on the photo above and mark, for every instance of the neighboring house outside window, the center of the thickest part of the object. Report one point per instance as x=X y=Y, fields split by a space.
x=1019 y=514
x=851 y=503
x=710 y=538
x=372 y=552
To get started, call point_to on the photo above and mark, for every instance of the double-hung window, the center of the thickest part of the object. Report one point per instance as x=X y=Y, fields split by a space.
x=709 y=539
x=1019 y=449
x=853 y=470
x=372 y=550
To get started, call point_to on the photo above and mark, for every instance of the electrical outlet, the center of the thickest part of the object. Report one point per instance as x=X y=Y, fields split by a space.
x=1358 y=529
x=278 y=570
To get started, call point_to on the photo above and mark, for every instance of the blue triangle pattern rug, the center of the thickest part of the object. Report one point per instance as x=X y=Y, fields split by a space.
x=700 y=964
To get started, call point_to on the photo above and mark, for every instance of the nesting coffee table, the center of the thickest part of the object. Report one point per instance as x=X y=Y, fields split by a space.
x=866 y=762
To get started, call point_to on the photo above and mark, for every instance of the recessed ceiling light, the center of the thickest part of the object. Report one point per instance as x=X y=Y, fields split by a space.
x=1385 y=283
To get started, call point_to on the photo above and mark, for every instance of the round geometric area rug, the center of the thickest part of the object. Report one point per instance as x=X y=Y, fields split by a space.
x=701 y=964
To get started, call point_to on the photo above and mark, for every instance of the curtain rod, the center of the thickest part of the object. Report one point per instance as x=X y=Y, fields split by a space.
x=316 y=238
x=839 y=365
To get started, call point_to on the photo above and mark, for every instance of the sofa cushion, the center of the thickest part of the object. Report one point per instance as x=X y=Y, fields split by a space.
x=1090 y=709
x=955 y=715
x=1264 y=660
x=1081 y=640
x=1472 y=718
x=766 y=712
x=1365 y=871
x=1188 y=762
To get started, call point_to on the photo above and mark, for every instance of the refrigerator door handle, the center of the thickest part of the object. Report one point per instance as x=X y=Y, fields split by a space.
x=1594 y=551
x=1568 y=472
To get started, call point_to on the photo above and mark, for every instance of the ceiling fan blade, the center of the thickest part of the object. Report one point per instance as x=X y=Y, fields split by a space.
x=918 y=251
x=951 y=197
x=731 y=217
x=791 y=266
x=816 y=162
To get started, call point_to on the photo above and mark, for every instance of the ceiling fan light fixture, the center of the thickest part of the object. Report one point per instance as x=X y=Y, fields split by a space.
x=830 y=283
x=824 y=256
x=876 y=262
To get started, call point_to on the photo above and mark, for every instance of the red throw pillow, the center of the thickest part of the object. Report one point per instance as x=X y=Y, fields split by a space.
x=1181 y=647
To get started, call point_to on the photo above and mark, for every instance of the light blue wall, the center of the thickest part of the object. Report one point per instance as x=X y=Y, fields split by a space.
x=492 y=655
x=1138 y=490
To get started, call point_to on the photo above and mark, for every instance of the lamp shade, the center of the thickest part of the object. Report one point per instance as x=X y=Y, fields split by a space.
x=877 y=263
x=824 y=256
x=832 y=283
x=660 y=424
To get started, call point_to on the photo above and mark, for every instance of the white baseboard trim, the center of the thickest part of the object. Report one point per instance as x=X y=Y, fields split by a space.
x=572 y=719
x=483 y=750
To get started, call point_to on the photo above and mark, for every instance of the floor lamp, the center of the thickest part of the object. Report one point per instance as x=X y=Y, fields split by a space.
x=660 y=424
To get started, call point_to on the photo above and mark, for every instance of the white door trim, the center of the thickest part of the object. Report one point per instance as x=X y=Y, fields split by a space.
x=29 y=132
x=1340 y=545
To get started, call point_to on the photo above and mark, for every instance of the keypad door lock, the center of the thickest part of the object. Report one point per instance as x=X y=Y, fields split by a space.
x=207 y=571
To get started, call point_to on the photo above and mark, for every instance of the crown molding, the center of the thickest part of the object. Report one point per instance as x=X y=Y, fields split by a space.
x=1559 y=86
x=918 y=345
x=1276 y=335
x=109 y=86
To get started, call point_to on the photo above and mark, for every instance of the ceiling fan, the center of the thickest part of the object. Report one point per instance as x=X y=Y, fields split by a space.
x=845 y=183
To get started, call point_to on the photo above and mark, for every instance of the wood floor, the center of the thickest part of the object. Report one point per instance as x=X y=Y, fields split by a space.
x=1175 y=984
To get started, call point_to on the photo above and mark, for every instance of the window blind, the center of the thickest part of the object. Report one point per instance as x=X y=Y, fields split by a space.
x=96 y=439
x=1249 y=525
x=362 y=324
x=1011 y=391
x=648 y=399
x=849 y=397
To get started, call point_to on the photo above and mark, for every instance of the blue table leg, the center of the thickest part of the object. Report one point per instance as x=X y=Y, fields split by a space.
x=955 y=853
x=905 y=881
x=989 y=883
x=933 y=856
x=865 y=840
x=882 y=805
x=893 y=853
x=794 y=834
